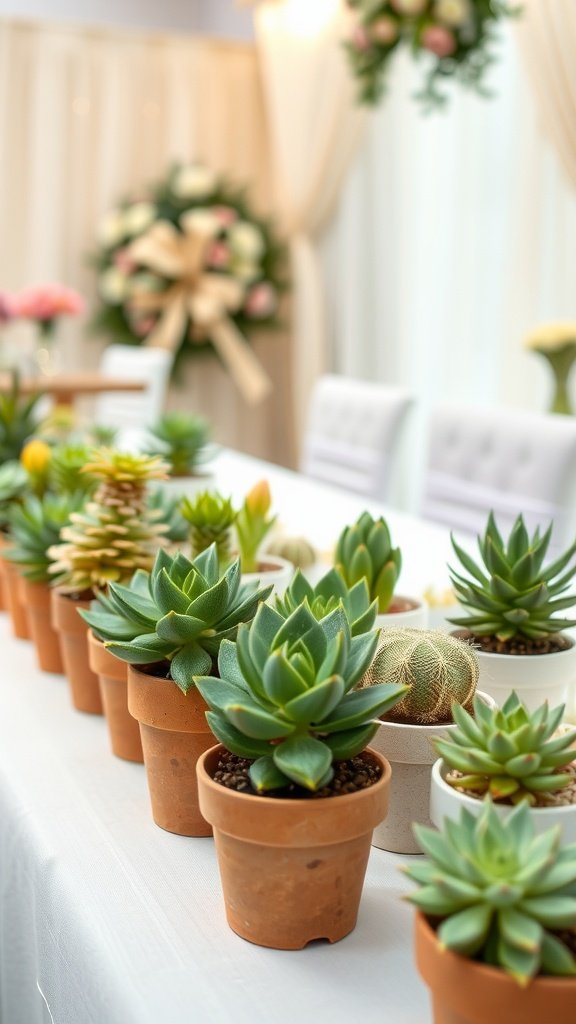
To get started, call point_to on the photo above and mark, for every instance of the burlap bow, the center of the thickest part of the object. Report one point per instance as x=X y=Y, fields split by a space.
x=206 y=298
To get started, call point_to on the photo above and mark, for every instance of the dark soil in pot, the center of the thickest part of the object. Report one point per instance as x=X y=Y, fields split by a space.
x=517 y=645
x=349 y=777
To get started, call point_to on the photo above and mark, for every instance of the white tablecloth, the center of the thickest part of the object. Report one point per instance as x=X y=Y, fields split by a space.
x=106 y=919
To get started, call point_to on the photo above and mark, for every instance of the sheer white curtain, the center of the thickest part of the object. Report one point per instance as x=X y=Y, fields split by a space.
x=455 y=234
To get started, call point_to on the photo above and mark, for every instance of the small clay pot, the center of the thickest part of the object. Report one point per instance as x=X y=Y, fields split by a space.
x=14 y=604
x=174 y=733
x=292 y=870
x=404 y=613
x=467 y=992
x=73 y=631
x=112 y=675
x=35 y=597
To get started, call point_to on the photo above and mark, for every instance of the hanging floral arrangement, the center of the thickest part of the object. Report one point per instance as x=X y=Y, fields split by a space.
x=454 y=37
x=187 y=266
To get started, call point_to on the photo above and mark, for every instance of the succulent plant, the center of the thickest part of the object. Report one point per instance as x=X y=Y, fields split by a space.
x=167 y=506
x=510 y=753
x=514 y=592
x=437 y=668
x=66 y=469
x=14 y=482
x=116 y=533
x=211 y=517
x=182 y=441
x=364 y=551
x=180 y=613
x=18 y=420
x=35 y=526
x=330 y=592
x=284 y=697
x=253 y=523
x=297 y=550
x=501 y=892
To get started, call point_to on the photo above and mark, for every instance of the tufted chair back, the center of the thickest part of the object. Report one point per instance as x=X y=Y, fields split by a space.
x=352 y=430
x=131 y=412
x=508 y=461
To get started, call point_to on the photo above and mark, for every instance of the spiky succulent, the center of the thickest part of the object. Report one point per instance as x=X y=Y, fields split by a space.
x=14 y=482
x=328 y=594
x=513 y=592
x=182 y=440
x=66 y=470
x=18 y=420
x=501 y=891
x=284 y=697
x=253 y=523
x=168 y=508
x=211 y=517
x=35 y=526
x=179 y=613
x=364 y=551
x=437 y=668
x=116 y=532
x=510 y=753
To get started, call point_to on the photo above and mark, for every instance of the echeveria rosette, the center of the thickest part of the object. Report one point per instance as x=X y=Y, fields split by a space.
x=500 y=891
x=35 y=527
x=179 y=613
x=284 y=696
x=509 y=752
x=364 y=551
x=245 y=248
x=330 y=592
x=513 y=592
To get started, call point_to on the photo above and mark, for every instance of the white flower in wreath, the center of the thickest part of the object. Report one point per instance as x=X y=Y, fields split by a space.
x=138 y=217
x=203 y=221
x=246 y=241
x=112 y=229
x=113 y=286
x=193 y=182
x=452 y=12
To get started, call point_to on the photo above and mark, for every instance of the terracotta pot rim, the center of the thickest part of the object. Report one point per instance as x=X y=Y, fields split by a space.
x=439 y=771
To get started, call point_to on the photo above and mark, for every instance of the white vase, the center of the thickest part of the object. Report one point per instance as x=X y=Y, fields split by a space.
x=273 y=569
x=447 y=802
x=412 y=618
x=534 y=677
x=411 y=754
x=188 y=486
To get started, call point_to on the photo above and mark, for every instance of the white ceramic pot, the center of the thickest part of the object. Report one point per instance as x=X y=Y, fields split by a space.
x=411 y=754
x=413 y=618
x=535 y=678
x=447 y=802
x=188 y=486
x=278 y=571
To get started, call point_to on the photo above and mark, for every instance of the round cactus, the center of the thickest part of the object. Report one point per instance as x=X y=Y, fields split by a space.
x=438 y=668
x=297 y=550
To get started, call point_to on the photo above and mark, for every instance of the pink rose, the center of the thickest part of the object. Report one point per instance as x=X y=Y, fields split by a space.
x=143 y=326
x=225 y=215
x=124 y=262
x=360 y=39
x=46 y=302
x=6 y=308
x=384 y=30
x=438 y=40
x=218 y=255
x=261 y=301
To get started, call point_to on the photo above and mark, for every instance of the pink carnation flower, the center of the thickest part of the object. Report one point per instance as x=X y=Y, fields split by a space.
x=261 y=301
x=124 y=261
x=6 y=308
x=46 y=302
x=360 y=39
x=438 y=40
x=218 y=255
x=225 y=215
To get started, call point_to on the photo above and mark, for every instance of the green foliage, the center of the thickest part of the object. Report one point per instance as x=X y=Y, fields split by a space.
x=501 y=892
x=18 y=420
x=14 y=483
x=35 y=527
x=182 y=440
x=364 y=551
x=253 y=523
x=510 y=753
x=327 y=595
x=167 y=510
x=211 y=517
x=180 y=613
x=66 y=469
x=437 y=668
x=513 y=592
x=284 y=696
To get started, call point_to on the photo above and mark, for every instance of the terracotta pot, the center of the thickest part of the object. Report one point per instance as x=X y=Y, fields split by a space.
x=36 y=600
x=174 y=734
x=404 y=613
x=4 y=542
x=113 y=679
x=467 y=992
x=14 y=605
x=291 y=870
x=73 y=632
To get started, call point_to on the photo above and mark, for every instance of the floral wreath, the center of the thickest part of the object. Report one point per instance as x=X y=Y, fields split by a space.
x=186 y=266
x=455 y=34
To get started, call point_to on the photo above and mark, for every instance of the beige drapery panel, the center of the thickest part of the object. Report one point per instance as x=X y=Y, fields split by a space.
x=315 y=126
x=547 y=36
x=87 y=116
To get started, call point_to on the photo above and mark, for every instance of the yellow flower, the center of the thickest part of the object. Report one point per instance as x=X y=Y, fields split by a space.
x=550 y=337
x=259 y=499
x=35 y=457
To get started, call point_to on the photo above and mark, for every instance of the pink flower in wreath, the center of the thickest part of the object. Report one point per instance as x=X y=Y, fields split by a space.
x=6 y=308
x=261 y=301
x=225 y=215
x=143 y=326
x=46 y=302
x=360 y=39
x=439 y=40
x=218 y=255
x=124 y=261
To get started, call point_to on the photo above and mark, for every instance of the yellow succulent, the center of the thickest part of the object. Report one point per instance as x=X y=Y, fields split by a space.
x=552 y=336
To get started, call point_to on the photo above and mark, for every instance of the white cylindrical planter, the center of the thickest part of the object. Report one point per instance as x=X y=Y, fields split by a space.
x=273 y=569
x=412 y=618
x=411 y=754
x=188 y=486
x=534 y=677
x=447 y=802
